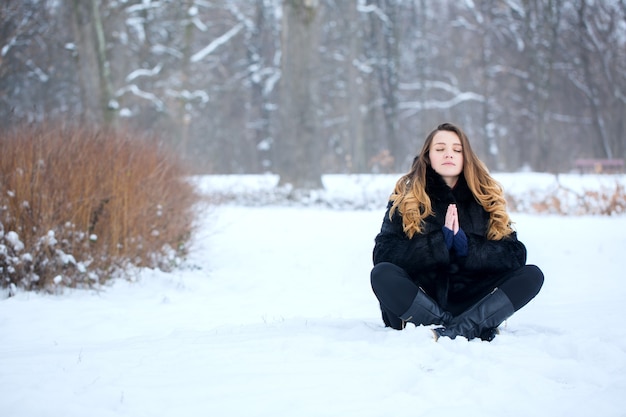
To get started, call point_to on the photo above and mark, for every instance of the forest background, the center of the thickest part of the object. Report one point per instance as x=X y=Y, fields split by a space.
x=306 y=87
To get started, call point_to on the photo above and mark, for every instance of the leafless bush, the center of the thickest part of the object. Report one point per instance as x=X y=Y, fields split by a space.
x=76 y=204
x=566 y=201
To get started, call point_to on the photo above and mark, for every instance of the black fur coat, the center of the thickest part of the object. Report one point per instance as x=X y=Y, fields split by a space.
x=455 y=282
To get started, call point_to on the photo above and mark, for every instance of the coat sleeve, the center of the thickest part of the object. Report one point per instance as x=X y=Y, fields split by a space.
x=424 y=252
x=494 y=255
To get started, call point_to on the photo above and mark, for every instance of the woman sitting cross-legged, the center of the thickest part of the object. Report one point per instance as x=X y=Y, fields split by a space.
x=446 y=253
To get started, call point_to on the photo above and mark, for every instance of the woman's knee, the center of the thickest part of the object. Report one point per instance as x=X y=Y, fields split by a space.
x=535 y=277
x=523 y=285
x=383 y=272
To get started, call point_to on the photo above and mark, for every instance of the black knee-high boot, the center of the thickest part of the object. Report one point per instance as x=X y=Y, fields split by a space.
x=424 y=311
x=481 y=319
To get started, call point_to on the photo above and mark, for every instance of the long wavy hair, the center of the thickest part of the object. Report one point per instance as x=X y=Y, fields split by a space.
x=411 y=200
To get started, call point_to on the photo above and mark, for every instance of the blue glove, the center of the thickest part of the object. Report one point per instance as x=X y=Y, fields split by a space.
x=460 y=243
x=448 y=237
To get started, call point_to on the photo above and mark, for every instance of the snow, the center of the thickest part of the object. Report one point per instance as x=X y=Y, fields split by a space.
x=6 y=48
x=14 y=240
x=272 y=314
x=216 y=43
x=144 y=72
x=134 y=89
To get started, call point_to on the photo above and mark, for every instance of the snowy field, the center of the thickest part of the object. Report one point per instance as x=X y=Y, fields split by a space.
x=273 y=315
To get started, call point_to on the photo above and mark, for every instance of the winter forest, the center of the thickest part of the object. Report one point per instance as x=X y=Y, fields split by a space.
x=302 y=88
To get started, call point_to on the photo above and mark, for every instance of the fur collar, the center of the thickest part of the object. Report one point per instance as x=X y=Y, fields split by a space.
x=438 y=190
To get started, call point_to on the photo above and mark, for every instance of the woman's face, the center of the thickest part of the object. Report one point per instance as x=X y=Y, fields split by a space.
x=446 y=156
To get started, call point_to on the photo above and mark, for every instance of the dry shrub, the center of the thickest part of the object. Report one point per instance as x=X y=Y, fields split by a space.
x=607 y=203
x=77 y=204
x=566 y=201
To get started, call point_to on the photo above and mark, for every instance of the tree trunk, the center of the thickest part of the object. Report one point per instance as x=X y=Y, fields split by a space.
x=593 y=94
x=385 y=35
x=357 y=161
x=107 y=102
x=93 y=65
x=298 y=142
x=491 y=144
x=184 y=117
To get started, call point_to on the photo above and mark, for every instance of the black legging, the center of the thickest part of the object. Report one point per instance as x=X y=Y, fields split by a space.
x=396 y=291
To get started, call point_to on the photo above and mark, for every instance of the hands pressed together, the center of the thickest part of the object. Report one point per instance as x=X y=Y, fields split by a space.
x=452 y=219
x=452 y=232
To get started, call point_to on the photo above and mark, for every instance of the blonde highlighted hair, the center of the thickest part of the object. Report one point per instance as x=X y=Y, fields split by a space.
x=410 y=199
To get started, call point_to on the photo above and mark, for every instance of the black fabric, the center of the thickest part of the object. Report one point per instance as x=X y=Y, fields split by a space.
x=522 y=285
x=401 y=298
x=455 y=282
x=393 y=287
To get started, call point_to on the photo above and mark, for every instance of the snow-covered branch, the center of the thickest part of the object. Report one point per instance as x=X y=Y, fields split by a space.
x=143 y=6
x=441 y=104
x=133 y=89
x=458 y=96
x=143 y=72
x=271 y=82
x=6 y=48
x=187 y=95
x=210 y=48
x=162 y=50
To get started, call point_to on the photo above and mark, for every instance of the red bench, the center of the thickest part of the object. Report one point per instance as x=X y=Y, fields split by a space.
x=599 y=166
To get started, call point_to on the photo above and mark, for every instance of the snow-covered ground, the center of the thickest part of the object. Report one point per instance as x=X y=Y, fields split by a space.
x=273 y=315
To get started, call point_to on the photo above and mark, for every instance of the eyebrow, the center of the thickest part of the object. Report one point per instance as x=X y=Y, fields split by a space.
x=443 y=143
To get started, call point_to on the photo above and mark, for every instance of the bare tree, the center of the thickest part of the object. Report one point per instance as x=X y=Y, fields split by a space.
x=540 y=36
x=36 y=72
x=93 y=64
x=384 y=54
x=355 y=92
x=599 y=32
x=263 y=49
x=298 y=144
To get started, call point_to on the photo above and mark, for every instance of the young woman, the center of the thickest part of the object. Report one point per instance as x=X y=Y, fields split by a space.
x=446 y=253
